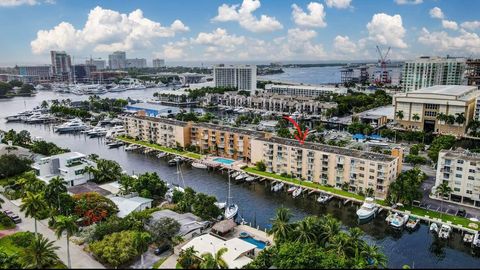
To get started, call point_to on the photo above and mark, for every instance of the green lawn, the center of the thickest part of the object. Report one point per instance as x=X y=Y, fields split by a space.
x=161 y=148
x=445 y=217
x=340 y=192
x=8 y=246
x=158 y=263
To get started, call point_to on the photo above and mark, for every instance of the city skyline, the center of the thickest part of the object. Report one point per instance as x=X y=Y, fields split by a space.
x=248 y=30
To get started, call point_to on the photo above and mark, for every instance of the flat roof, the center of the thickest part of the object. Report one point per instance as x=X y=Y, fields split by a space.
x=388 y=111
x=462 y=154
x=447 y=90
x=230 y=129
x=128 y=205
x=68 y=155
x=160 y=120
x=307 y=86
x=331 y=149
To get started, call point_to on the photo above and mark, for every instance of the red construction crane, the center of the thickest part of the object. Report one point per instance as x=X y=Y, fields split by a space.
x=384 y=77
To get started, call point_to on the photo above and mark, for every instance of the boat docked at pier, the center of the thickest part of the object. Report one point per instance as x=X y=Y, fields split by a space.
x=277 y=187
x=71 y=126
x=324 y=198
x=199 y=165
x=368 y=209
x=445 y=231
x=413 y=223
x=398 y=220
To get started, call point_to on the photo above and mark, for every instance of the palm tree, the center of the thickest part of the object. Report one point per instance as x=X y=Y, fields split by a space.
x=66 y=224
x=40 y=254
x=415 y=117
x=141 y=243
x=443 y=190
x=90 y=170
x=188 y=259
x=280 y=224
x=330 y=228
x=30 y=182
x=442 y=117
x=32 y=204
x=450 y=119
x=460 y=119
x=373 y=256
x=55 y=187
x=473 y=126
x=305 y=231
x=214 y=262
x=340 y=244
x=399 y=115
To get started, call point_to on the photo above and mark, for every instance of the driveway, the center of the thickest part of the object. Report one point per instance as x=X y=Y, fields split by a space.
x=79 y=258
x=149 y=258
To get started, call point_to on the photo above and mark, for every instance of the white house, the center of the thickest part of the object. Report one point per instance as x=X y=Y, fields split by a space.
x=128 y=205
x=69 y=166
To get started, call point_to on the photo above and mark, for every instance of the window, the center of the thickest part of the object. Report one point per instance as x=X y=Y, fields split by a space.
x=459 y=169
x=79 y=172
x=460 y=161
x=458 y=175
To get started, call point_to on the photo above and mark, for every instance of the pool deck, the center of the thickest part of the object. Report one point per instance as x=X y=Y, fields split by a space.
x=255 y=233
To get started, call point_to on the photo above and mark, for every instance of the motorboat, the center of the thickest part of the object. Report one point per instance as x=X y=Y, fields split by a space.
x=434 y=228
x=324 y=198
x=297 y=192
x=131 y=147
x=368 y=209
x=97 y=132
x=118 y=88
x=476 y=240
x=390 y=216
x=199 y=165
x=445 y=231
x=468 y=238
x=250 y=179
x=291 y=189
x=231 y=211
x=14 y=118
x=72 y=126
x=277 y=187
x=115 y=144
x=115 y=131
x=220 y=205
x=161 y=155
x=235 y=174
x=412 y=223
x=399 y=220
x=241 y=177
x=173 y=162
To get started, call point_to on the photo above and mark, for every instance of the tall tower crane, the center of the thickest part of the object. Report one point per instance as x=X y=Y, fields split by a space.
x=383 y=60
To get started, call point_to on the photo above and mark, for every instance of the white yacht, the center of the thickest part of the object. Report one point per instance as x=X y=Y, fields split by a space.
x=277 y=187
x=97 y=132
x=118 y=88
x=398 y=220
x=72 y=126
x=476 y=240
x=369 y=209
x=445 y=231
x=297 y=192
x=324 y=198
x=199 y=165
x=115 y=131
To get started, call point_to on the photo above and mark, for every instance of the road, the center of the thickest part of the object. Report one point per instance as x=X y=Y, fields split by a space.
x=79 y=258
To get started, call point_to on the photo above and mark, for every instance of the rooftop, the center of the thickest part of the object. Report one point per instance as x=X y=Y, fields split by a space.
x=304 y=86
x=332 y=149
x=128 y=205
x=161 y=120
x=451 y=92
x=188 y=221
x=387 y=111
x=231 y=129
x=66 y=156
x=462 y=154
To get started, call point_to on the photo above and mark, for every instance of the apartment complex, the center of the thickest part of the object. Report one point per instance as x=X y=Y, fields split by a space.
x=98 y=63
x=42 y=73
x=61 y=65
x=477 y=110
x=329 y=165
x=136 y=63
x=472 y=73
x=272 y=103
x=158 y=63
x=117 y=60
x=241 y=77
x=437 y=109
x=304 y=90
x=429 y=71
x=460 y=169
x=82 y=73
x=69 y=166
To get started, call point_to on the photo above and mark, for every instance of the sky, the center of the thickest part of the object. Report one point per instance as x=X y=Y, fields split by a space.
x=237 y=30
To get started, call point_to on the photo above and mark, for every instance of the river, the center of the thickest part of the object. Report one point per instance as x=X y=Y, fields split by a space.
x=257 y=203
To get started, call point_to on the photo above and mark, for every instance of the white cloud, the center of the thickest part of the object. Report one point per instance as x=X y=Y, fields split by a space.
x=449 y=24
x=316 y=17
x=219 y=37
x=442 y=42
x=387 y=30
x=14 y=3
x=436 y=13
x=106 y=30
x=408 y=2
x=338 y=3
x=243 y=15
x=471 y=25
x=344 y=45
x=299 y=44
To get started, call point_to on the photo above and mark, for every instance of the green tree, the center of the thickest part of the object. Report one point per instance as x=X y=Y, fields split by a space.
x=107 y=171
x=204 y=206
x=305 y=231
x=373 y=256
x=188 y=259
x=280 y=224
x=164 y=229
x=214 y=262
x=261 y=166
x=141 y=242
x=438 y=144
x=330 y=228
x=399 y=115
x=41 y=254
x=32 y=205
x=443 y=190
x=150 y=185
x=54 y=188
x=67 y=225
x=11 y=165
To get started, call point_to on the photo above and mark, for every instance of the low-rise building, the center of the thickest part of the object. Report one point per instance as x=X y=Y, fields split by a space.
x=329 y=165
x=69 y=166
x=127 y=205
x=444 y=109
x=477 y=110
x=190 y=225
x=377 y=117
x=305 y=90
x=460 y=169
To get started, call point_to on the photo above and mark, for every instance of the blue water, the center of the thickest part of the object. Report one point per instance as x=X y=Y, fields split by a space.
x=224 y=161
x=313 y=75
x=258 y=243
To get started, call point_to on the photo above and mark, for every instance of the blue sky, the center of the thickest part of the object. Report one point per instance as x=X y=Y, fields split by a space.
x=241 y=30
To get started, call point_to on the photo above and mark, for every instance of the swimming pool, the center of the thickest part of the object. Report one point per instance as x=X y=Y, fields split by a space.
x=224 y=161
x=258 y=243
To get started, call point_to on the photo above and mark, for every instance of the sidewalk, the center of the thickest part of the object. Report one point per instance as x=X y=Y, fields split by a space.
x=79 y=258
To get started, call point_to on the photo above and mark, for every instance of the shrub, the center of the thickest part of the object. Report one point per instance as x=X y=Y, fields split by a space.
x=5 y=221
x=261 y=166
x=22 y=239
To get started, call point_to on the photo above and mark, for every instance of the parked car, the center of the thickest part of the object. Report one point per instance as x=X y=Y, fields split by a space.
x=461 y=212
x=14 y=217
x=161 y=249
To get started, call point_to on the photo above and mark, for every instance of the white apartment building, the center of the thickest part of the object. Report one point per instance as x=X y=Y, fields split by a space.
x=304 y=90
x=158 y=63
x=69 y=166
x=329 y=165
x=241 y=77
x=460 y=169
x=117 y=60
x=429 y=71
x=136 y=63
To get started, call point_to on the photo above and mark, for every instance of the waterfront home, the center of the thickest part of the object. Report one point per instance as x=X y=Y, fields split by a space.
x=69 y=166
x=460 y=169
x=357 y=171
x=127 y=205
x=190 y=225
x=239 y=252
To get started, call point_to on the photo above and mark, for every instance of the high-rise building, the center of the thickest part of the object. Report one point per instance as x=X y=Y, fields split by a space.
x=241 y=77
x=429 y=71
x=82 y=73
x=43 y=72
x=61 y=65
x=136 y=63
x=473 y=72
x=158 y=63
x=117 y=60
x=98 y=63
